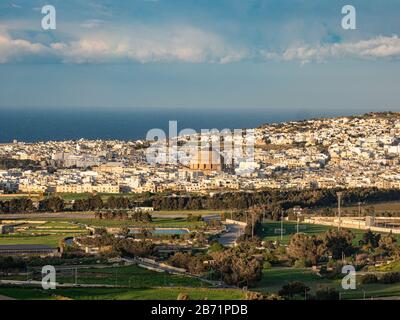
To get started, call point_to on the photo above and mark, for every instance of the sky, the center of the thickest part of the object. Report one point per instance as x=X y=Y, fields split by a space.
x=203 y=54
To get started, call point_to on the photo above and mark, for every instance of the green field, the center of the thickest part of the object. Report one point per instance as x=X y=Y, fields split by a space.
x=392 y=267
x=381 y=207
x=130 y=276
x=157 y=222
x=121 y=294
x=48 y=233
x=270 y=231
x=273 y=279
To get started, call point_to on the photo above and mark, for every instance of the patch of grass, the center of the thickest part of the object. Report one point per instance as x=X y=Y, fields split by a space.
x=392 y=267
x=49 y=233
x=123 y=294
x=193 y=212
x=270 y=231
x=133 y=276
x=157 y=222
x=274 y=278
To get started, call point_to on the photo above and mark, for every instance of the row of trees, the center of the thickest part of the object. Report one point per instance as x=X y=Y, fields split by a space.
x=137 y=216
x=273 y=201
x=24 y=205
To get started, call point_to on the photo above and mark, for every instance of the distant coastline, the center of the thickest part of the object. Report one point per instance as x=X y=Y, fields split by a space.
x=32 y=125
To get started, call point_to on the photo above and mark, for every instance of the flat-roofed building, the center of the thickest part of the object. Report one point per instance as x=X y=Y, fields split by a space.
x=27 y=249
x=206 y=160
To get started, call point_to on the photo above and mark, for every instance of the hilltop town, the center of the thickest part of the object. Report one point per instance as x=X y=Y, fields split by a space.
x=343 y=152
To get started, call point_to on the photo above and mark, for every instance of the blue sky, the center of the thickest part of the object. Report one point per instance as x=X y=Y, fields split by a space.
x=287 y=54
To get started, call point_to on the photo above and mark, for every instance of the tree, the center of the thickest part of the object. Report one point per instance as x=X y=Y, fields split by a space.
x=303 y=247
x=238 y=267
x=95 y=202
x=192 y=263
x=370 y=240
x=335 y=243
x=326 y=293
x=294 y=288
x=388 y=246
x=215 y=247
x=55 y=204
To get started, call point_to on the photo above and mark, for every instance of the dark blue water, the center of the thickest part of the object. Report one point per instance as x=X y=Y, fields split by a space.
x=32 y=125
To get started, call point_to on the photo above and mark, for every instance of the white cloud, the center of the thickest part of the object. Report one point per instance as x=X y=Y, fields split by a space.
x=14 y=5
x=17 y=49
x=145 y=44
x=375 y=48
x=185 y=44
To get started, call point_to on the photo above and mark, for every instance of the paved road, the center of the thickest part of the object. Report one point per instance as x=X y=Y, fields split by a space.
x=233 y=232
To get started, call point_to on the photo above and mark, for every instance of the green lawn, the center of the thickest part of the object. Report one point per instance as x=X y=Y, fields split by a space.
x=130 y=276
x=193 y=212
x=122 y=294
x=392 y=267
x=48 y=233
x=274 y=278
x=270 y=231
x=133 y=276
x=157 y=222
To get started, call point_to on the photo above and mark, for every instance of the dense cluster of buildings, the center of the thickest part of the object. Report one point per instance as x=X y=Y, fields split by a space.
x=359 y=151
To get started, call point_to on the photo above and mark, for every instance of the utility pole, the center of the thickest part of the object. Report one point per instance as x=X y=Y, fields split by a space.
x=359 y=215
x=76 y=276
x=339 y=195
x=281 y=226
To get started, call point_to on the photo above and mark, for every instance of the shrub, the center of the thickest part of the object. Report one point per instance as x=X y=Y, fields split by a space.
x=251 y=295
x=301 y=263
x=390 y=277
x=369 y=278
x=294 y=288
x=327 y=293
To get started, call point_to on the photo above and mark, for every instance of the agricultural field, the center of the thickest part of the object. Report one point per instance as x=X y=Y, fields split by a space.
x=129 y=276
x=271 y=231
x=157 y=222
x=274 y=278
x=379 y=208
x=42 y=232
x=121 y=293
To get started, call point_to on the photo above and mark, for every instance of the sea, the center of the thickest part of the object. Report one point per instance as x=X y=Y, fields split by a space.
x=57 y=124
